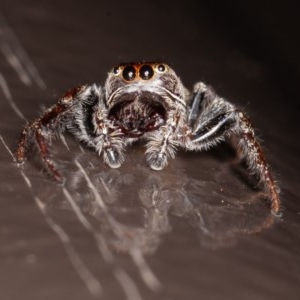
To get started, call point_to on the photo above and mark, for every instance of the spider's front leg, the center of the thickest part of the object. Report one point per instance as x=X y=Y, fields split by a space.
x=109 y=138
x=162 y=144
x=212 y=119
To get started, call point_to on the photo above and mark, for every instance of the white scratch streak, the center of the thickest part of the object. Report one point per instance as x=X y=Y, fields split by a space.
x=9 y=98
x=102 y=246
x=92 y=187
x=15 y=60
x=6 y=147
x=90 y=281
x=128 y=285
x=64 y=141
x=146 y=273
x=86 y=224
x=27 y=181
x=108 y=191
x=85 y=274
x=124 y=279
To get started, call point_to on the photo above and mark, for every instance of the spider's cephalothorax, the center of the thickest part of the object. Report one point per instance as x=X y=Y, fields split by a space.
x=149 y=101
x=140 y=97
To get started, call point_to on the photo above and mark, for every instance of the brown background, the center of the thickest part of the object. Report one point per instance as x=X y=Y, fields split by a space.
x=193 y=231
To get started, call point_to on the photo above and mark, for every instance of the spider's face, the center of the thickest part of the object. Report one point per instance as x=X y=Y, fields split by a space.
x=142 y=72
x=137 y=79
x=140 y=95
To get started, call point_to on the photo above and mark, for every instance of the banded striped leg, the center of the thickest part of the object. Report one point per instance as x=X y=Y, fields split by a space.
x=109 y=139
x=53 y=121
x=90 y=124
x=162 y=145
x=213 y=119
x=38 y=132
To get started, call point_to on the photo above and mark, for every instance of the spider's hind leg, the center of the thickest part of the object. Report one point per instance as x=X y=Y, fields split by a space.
x=212 y=119
x=256 y=161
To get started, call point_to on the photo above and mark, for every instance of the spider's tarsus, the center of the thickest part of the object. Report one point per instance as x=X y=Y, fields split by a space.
x=274 y=198
x=112 y=158
x=19 y=162
x=277 y=214
x=157 y=161
x=60 y=179
x=156 y=167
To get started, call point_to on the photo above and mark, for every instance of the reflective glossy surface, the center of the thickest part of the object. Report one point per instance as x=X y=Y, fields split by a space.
x=195 y=230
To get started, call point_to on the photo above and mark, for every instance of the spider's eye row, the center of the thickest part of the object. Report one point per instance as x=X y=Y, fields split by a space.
x=129 y=73
x=141 y=71
x=146 y=72
x=160 y=68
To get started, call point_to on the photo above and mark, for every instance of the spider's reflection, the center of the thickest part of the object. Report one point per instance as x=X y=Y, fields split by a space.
x=136 y=210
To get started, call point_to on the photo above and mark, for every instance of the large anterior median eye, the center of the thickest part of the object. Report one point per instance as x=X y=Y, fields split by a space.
x=146 y=72
x=129 y=73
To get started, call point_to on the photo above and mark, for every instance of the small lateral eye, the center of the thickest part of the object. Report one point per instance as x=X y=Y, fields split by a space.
x=160 y=68
x=129 y=73
x=146 y=72
x=117 y=70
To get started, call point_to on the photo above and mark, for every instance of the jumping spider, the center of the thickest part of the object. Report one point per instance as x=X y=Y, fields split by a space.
x=149 y=101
